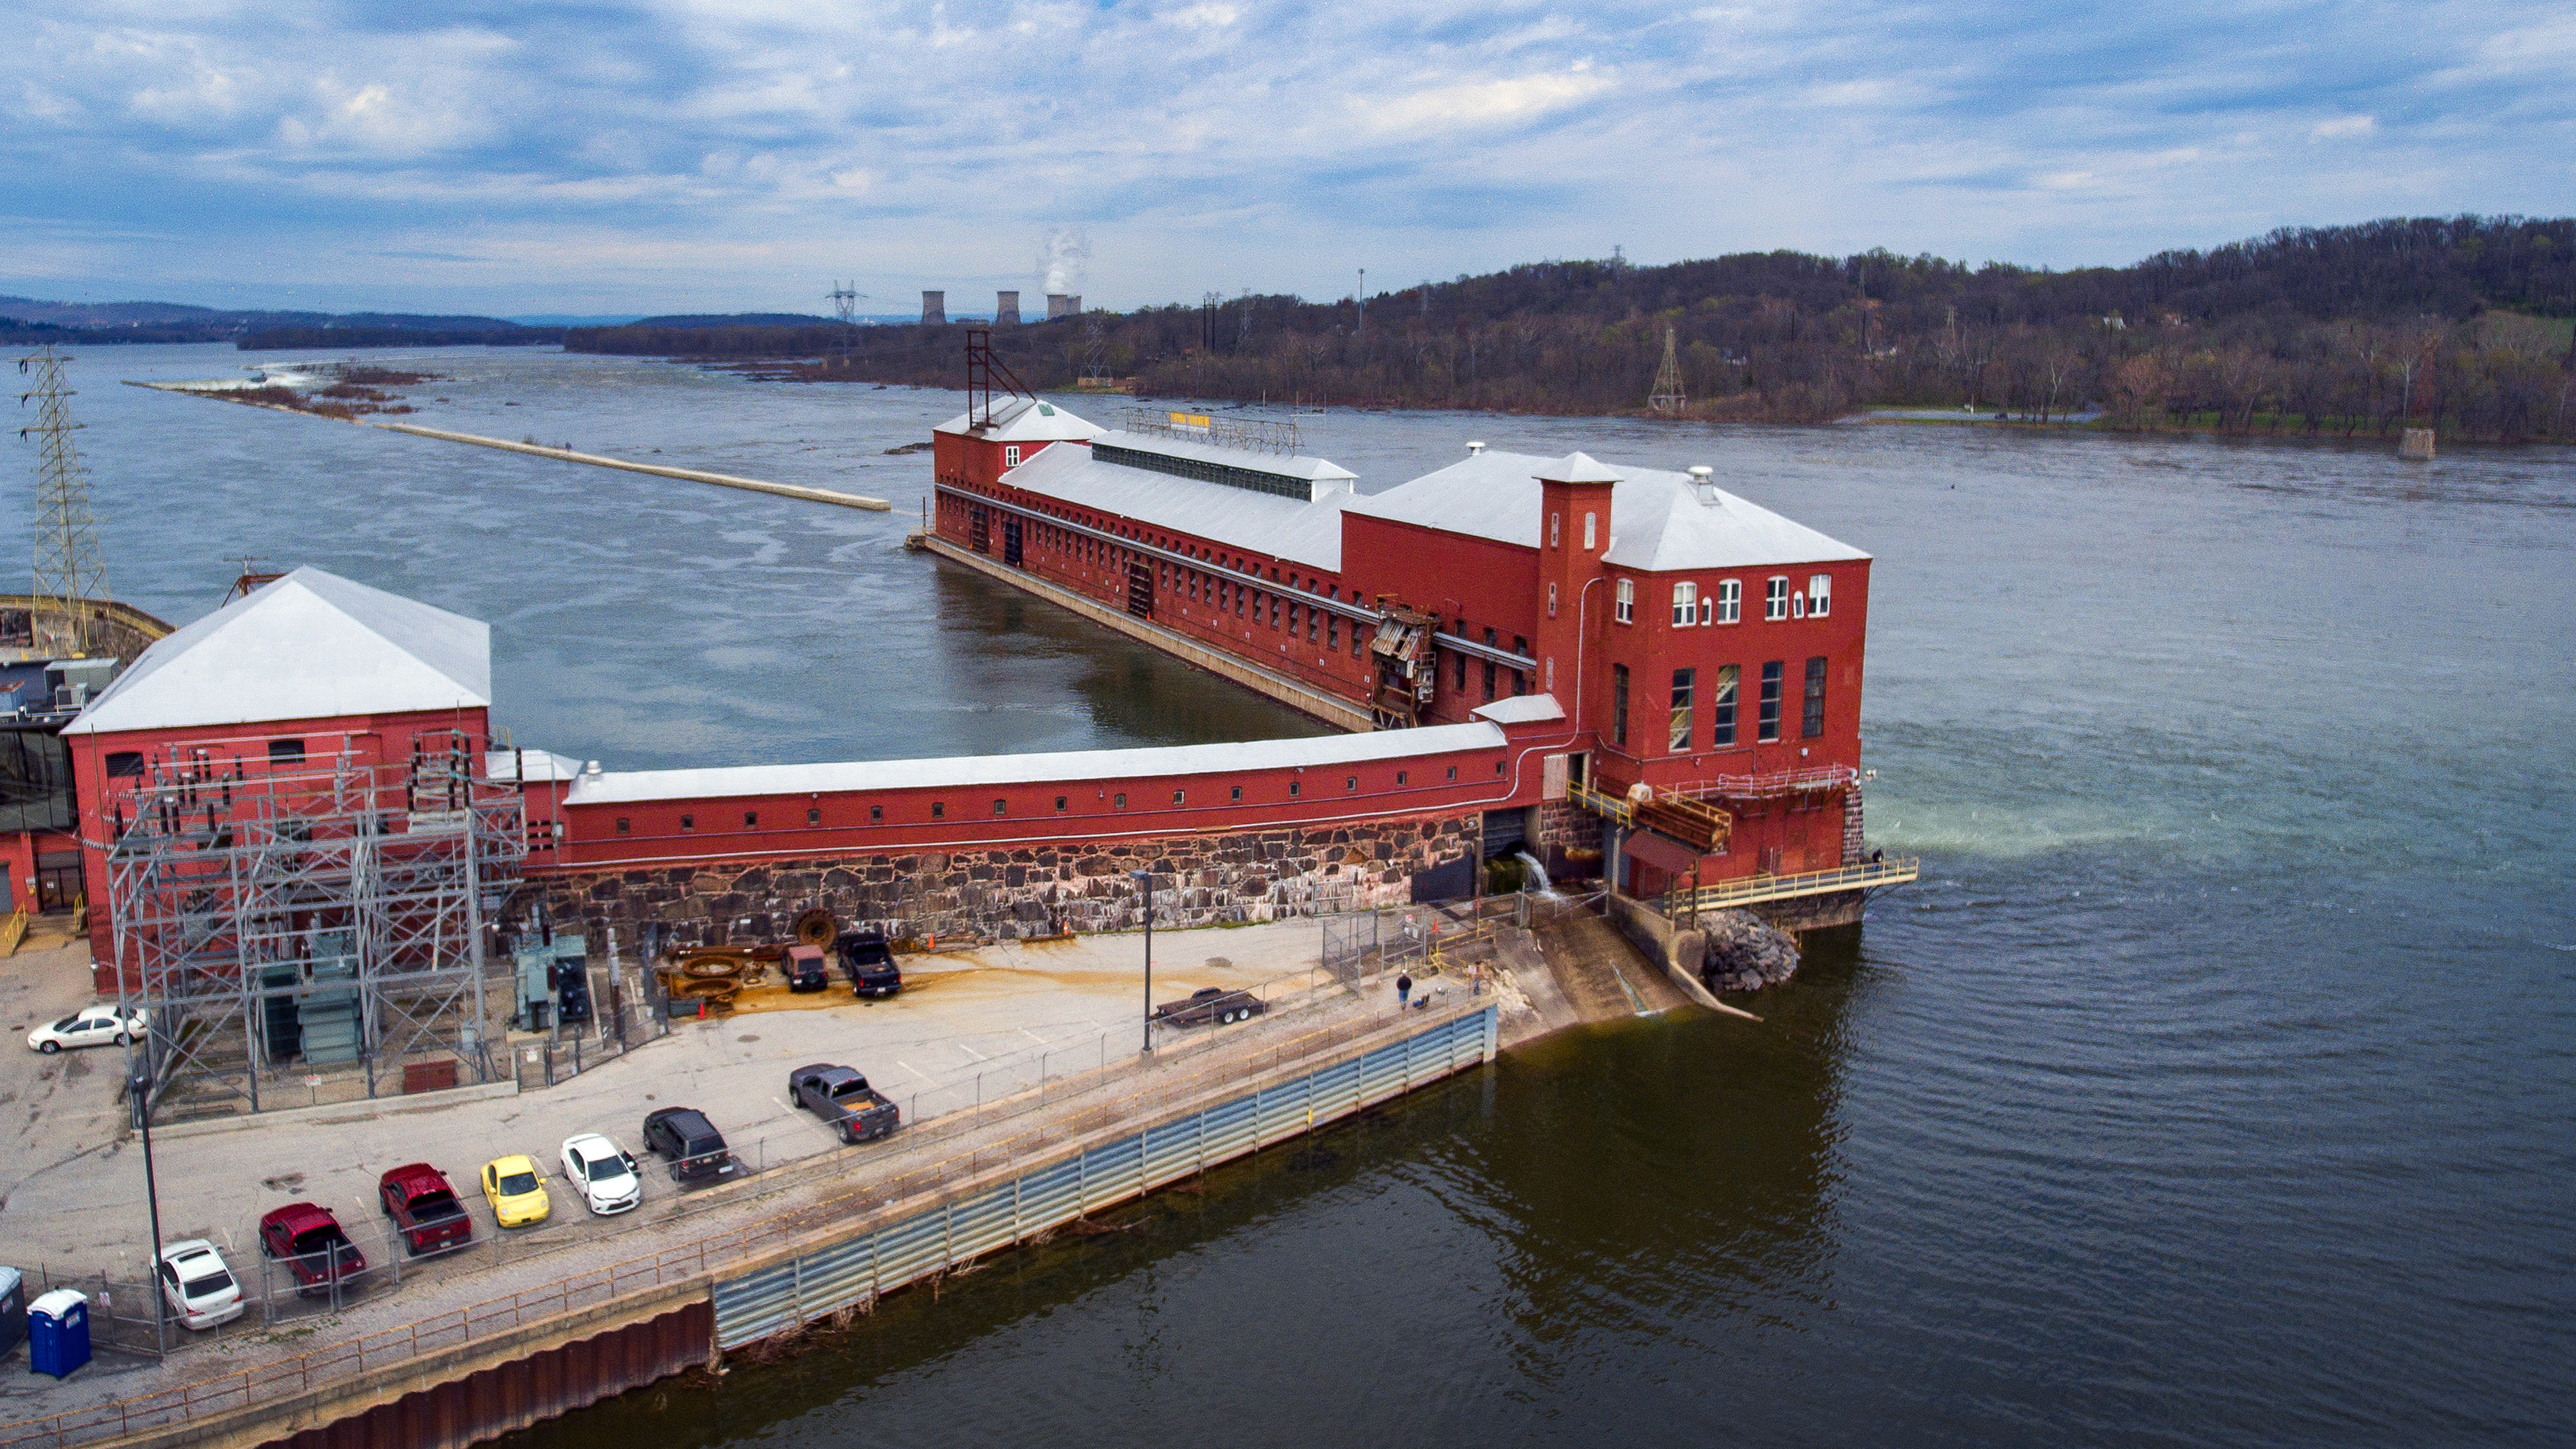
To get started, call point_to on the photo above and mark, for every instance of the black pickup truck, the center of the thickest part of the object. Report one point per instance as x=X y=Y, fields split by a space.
x=1209 y=1004
x=844 y=1099
x=869 y=963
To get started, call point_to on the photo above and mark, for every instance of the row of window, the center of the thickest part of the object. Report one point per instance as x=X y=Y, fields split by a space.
x=1063 y=803
x=1725 y=605
x=1316 y=624
x=1680 y=733
x=1492 y=671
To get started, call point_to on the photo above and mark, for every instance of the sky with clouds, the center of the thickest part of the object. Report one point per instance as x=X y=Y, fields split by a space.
x=612 y=157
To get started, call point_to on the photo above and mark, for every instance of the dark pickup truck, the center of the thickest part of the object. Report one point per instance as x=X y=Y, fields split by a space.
x=307 y=1239
x=869 y=963
x=844 y=1099
x=423 y=1208
x=1208 y=1004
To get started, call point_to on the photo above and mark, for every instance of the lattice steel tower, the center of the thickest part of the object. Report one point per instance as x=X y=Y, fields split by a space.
x=1667 y=397
x=71 y=581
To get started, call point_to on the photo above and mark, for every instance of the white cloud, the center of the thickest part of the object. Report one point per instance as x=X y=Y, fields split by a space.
x=1483 y=102
x=1217 y=143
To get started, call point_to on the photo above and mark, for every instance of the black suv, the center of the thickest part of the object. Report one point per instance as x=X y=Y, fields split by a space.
x=691 y=1142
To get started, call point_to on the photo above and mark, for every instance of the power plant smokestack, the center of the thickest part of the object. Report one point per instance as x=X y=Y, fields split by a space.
x=1006 y=309
x=1061 y=305
x=934 y=308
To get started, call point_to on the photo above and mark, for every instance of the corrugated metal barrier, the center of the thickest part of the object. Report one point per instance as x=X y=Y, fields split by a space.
x=786 y=1295
x=493 y=1401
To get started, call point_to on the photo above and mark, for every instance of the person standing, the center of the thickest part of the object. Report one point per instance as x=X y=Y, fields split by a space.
x=1403 y=990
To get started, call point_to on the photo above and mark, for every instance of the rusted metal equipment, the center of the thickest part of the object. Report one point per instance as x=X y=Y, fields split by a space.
x=1695 y=823
x=1407 y=664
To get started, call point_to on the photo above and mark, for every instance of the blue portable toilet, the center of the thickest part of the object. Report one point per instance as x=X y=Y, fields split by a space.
x=58 y=1333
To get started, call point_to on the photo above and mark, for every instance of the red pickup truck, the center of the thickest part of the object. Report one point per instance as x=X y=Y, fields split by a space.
x=307 y=1239
x=424 y=1209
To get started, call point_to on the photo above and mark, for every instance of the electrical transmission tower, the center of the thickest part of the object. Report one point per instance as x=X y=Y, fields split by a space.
x=1095 y=352
x=846 y=297
x=71 y=582
x=1667 y=396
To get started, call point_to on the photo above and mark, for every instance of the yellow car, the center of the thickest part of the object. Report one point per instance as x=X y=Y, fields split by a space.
x=516 y=1190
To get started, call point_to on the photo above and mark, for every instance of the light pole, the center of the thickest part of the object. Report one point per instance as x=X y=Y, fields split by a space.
x=1145 y=878
x=138 y=1092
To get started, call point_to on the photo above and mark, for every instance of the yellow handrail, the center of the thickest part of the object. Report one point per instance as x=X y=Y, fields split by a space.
x=1896 y=870
x=13 y=933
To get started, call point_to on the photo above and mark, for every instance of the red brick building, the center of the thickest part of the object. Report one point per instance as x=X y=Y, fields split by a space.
x=1697 y=643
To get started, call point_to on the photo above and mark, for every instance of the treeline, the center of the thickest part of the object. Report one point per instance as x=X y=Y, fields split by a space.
x=2455 y=323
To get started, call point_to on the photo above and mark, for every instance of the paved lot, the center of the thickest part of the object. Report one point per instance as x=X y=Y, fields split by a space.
x=572 y=1246
x=59 y=1110
x=970 y=1025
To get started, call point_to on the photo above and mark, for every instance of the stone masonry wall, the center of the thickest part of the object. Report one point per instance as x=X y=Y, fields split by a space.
x=1012 y=893
x=1563 y=826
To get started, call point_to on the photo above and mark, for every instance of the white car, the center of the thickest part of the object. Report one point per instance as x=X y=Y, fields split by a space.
x=603 y=1174
x=89 y=1026
x=199 y=1286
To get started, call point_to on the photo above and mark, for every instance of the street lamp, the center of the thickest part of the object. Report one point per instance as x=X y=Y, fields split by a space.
x=138 y=1094
x=1145 y=878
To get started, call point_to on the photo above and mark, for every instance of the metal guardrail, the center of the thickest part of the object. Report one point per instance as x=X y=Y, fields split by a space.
x=1753 y=890
x=853 y=1271
x=366 y=1352
x=1608 y=807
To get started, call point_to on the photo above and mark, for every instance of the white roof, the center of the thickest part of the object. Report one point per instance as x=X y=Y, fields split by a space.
x=310 y=646
x=504 y=765
x=1657 y=521
x=1522 y=709
x=1266 y=523
x=1299 y=466
x=968 y=771
x=1025 y=420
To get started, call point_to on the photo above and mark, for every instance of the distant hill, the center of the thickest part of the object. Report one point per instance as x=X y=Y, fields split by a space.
x=29 y=318
x=697 y=320
x=2455 y=320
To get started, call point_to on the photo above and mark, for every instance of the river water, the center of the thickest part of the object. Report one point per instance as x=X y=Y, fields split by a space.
x=2217 y=1085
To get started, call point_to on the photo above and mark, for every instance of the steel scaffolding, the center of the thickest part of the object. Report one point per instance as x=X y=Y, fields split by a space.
x=270 y=908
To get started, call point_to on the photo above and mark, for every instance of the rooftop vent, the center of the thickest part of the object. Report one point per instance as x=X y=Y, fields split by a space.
x=1700 y=475
x=591 y=769
x=1474 y=447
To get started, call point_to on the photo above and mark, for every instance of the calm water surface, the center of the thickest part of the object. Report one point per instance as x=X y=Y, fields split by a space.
x=2214 y=1087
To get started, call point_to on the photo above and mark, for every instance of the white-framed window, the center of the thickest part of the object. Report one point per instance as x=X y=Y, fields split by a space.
x=1707 y=610
x=1011 y=456
x=1685 y=605
x=1775 y=598
x=1591 y=532
x=1730 y=600
x=1551 y=601
x=1555 y=529
x=1625 y=610
x=1820 y=595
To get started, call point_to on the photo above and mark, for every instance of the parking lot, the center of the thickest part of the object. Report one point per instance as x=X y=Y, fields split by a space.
x=971 y=1025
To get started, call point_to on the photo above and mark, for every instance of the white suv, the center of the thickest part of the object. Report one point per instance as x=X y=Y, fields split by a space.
x=89 y=1026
